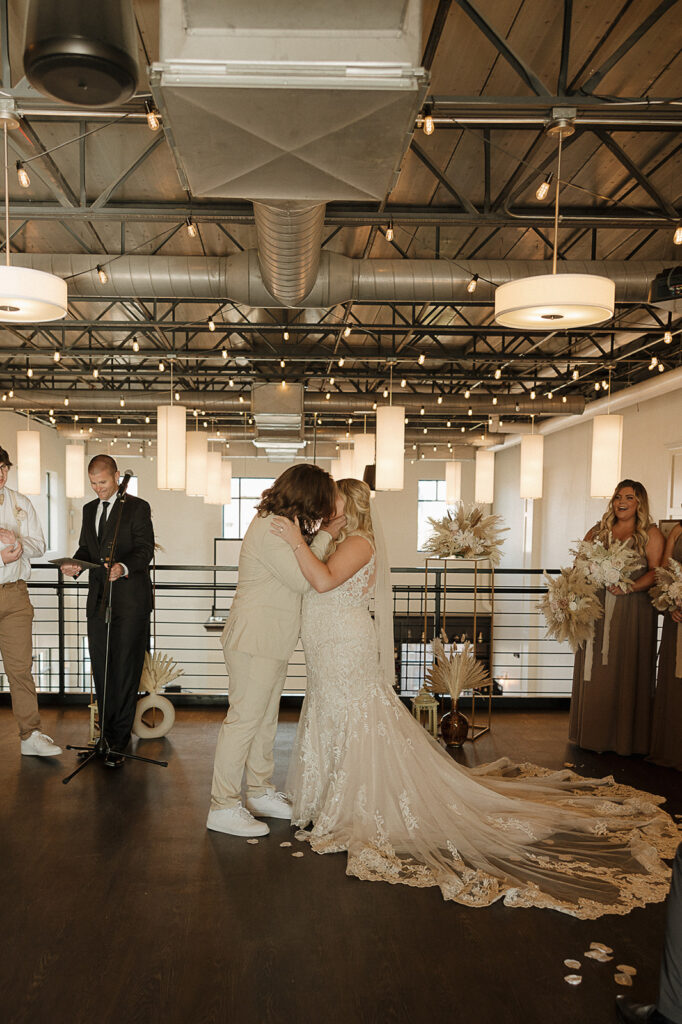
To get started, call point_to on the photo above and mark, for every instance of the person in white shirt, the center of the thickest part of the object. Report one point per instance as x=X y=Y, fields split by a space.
x=21 y=539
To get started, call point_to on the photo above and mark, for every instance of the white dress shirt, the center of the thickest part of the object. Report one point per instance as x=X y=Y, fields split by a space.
x=98 y=515
x=18 y=514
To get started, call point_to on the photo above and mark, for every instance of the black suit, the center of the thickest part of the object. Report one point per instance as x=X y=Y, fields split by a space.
x=131 y=607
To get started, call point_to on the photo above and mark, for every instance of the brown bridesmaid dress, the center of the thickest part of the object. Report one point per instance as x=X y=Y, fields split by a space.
x=666 y=732
x=612 y=709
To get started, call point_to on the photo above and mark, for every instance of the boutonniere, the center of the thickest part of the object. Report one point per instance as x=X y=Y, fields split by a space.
x=20 y=514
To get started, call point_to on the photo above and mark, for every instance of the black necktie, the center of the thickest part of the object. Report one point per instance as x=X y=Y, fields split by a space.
x=102 y=522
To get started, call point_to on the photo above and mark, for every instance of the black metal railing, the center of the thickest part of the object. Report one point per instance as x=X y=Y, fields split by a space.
x=193 y=600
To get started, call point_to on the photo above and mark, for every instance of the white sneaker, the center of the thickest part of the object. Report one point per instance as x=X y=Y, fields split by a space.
x=40 y=745
x=270 y=805
x=235 y=821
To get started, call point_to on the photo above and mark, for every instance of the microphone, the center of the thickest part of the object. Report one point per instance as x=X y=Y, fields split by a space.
x=123 y=486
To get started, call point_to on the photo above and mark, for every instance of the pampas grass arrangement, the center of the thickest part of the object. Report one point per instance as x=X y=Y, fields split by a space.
x=159 y=670
x=666 y=594
x=571 y=607
x=455 y=672
x=466 y=533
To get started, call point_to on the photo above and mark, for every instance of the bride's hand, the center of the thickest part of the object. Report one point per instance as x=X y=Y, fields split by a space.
x=288 y=531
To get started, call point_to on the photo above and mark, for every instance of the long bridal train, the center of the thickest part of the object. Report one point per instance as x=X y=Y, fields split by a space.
x=375 y=785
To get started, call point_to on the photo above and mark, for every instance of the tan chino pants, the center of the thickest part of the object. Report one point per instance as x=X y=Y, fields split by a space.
x=247 y=735
x=16 y=625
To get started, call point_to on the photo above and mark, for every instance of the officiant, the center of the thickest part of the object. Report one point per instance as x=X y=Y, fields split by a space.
x=131 y=597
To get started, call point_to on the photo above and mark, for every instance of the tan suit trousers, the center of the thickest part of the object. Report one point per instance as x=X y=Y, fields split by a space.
x=16 y=625
x=247 y=735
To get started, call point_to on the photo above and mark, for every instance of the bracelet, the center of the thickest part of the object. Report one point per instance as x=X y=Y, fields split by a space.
x=300 y=543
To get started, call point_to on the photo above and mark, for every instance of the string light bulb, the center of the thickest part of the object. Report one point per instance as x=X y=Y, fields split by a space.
x=56 y=355
x=473 y=284
x=661 y=367
x=668 y=337
x=575 y=374
x=191 y=228
x=543 y=188
x=162 y=365
x=403 y=383
x=341 y=361
x=467 y=394
x=224 y=353
x=346 y=332
x=95 y=373
x=102 y=274
x=211 y=324
x=498 y=373
x=428 y=125
x=389 y=233
x=532 y=395
x=677 y=237
x=286 y=335
x=153 y=122
x=421 y=359
x=136 y=345
x=29 y=372
x=22 y=175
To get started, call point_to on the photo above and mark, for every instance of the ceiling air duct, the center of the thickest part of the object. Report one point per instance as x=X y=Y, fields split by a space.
x=82 y=52
x=666 y=290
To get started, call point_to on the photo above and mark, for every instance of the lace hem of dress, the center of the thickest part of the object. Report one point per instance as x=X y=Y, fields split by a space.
x=621 y=890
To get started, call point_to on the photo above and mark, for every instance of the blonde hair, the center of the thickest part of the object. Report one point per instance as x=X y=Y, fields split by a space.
x=643 y=518
x=356 y=495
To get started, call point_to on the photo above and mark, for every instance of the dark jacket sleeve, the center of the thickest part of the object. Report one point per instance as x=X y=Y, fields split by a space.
x=142 y=533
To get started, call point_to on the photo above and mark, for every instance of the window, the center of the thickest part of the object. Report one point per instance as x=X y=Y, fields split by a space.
x=431 y=504
x=246 y=494
x=132 y=486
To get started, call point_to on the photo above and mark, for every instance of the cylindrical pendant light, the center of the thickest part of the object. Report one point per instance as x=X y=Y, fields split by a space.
x=195 y=470
x=363 y=453
x=484 y=488
x=75 y=471
x=390 y=448
x=532 y=446
x=226 y=483
x=213 y=494
x=607 y=443
x=170 y=447
x=28 y=461
x=453 y=482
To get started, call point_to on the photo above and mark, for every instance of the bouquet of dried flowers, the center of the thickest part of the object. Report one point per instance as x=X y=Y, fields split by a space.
x=571 y=607
x=466 y=532
x=666 y=594
x=604 y=566
x=455 y=672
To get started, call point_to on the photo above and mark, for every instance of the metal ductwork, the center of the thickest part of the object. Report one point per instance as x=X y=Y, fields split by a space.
x=99 y=400
x=289 y=247
x=340 y=279
x=81 y=52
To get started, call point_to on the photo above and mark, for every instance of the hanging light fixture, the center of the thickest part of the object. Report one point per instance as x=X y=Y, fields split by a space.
x=225 y=483
x=484 y=487
x=607 y=444
x=453 y=482
x=195 y=469
x=26 y=296
x=532 y=448
x=390 y=448
x=213 y=495
x=75 y=471
x=171 y=426
x=364 y=447
x=557 y=300
x=28 y=460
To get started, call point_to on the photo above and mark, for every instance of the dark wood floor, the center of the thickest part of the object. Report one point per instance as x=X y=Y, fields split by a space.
x=119 y=907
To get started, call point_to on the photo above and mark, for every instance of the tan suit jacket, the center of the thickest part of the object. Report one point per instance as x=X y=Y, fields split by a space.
x=265 y=618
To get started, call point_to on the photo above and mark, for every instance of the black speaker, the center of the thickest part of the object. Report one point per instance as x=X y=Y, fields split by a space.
x=82 y=52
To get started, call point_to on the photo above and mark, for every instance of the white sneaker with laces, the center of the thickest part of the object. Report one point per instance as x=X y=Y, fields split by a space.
x=235 y=821
x=270 y=805
x=40 y=745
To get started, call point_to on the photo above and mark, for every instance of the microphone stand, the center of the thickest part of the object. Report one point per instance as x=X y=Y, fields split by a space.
x=101 y=749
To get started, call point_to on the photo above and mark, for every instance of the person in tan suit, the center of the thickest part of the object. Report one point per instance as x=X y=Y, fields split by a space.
x=259 y=637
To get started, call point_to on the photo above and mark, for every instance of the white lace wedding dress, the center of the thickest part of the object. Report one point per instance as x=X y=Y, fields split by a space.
x=374 y=784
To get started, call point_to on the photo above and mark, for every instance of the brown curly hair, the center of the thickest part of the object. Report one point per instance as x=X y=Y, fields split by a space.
x=306 y=491
x=643 y=518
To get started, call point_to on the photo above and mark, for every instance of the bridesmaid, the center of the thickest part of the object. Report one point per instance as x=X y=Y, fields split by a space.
x=611 y=702
x=666 y=733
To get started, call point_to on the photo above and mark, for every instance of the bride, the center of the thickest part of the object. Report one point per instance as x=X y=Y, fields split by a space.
x=370 y=781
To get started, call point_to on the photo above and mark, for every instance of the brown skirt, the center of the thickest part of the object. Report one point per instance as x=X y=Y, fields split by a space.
x=666 y=731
